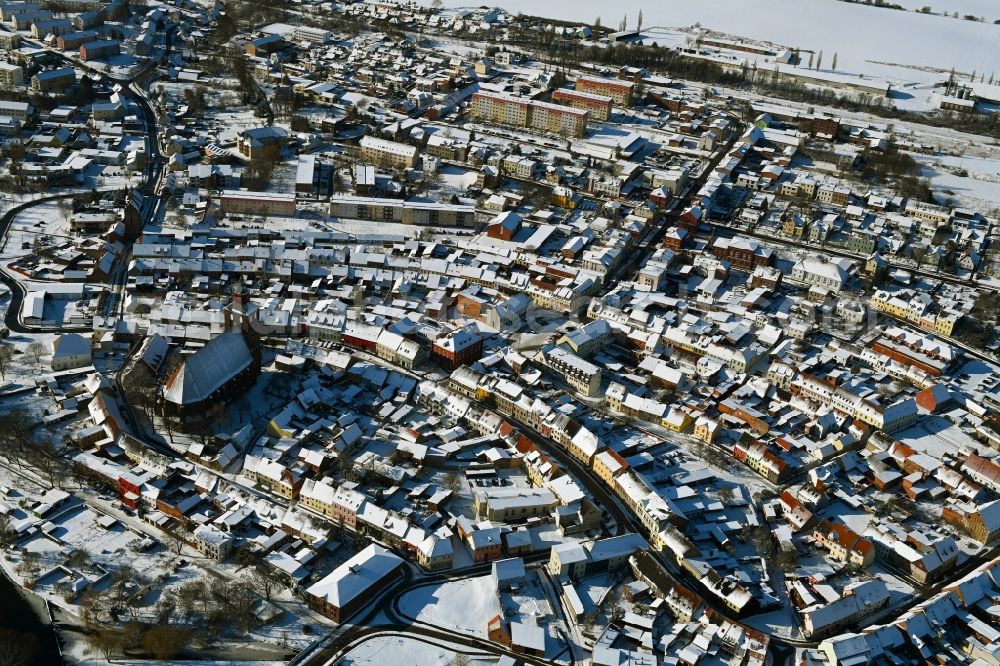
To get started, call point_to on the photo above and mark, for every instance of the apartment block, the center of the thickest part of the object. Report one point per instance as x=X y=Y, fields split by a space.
x=620 y=91
x=599 y=106
x=501 y=109
x=388 y=153
x=257 y=203
x=402 y=212
x=10 y=75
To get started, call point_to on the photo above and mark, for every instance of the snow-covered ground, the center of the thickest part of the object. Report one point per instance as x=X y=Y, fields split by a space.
x=971 y=181
x=463 y=605
x=867 y=39
x=783 y=622
x=395 y=649
x=987 y=9
x=107 y=535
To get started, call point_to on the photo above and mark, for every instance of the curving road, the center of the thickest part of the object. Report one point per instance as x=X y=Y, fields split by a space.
x=12 y=318
x=150 y=210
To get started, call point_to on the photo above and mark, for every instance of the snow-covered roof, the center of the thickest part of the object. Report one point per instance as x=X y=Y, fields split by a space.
x=205 y=371
x=355 y=576
x=69 y=345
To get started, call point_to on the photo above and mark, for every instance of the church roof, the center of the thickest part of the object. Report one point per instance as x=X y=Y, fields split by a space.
x=208 y=369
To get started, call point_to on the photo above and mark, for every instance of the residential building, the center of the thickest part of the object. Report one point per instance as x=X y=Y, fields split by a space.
x=10 y=75
x=858 y=601
x=264 y=204
x=599 y=106
x=461 y=347
x=383 y=152
x=583 y=376
x=354 y=584
x=508 y=505
x=402 y=212
x=502 y=109
x=212 y=542
x=619 y=91
x=259 y=142
x=100 y=50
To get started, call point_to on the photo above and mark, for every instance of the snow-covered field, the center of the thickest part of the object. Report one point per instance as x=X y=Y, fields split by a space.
x=971 y=181
x=464 y=605
x=987 y=9
x=867 y=39
x=393 y=649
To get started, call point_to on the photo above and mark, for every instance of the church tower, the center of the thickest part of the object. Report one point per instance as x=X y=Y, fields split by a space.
x=240 y=315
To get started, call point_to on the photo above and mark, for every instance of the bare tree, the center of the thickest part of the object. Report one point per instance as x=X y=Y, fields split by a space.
x=6 y=355
x=787 y=560
x=78 y=559
x=8 y=536
x=105 y=641
x=66 y=208
x=241 y=599
x=124 y=595
x=453 y=481
x=763 y=541
x=16 y=648
x=131 y=636
x=35 y=351
x=166 y=605
x=28 y=564
x=265 y=581
x=245 y=556
x=89 y=611
x=190 y=595
x=166 y=642
x=44 y=457
x=176 y=540
x=16 y=434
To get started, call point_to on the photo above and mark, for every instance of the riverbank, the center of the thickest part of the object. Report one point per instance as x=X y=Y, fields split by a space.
x=24 y=611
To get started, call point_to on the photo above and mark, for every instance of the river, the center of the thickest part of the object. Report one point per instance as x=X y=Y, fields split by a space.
x=18 y=614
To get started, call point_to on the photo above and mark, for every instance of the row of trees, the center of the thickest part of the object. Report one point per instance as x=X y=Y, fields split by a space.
x=898 y=169
x=20 y=445
x=158 y=642
x=571 y=53
x=120 y=622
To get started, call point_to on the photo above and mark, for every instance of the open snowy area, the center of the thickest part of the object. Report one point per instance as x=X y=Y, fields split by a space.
x=904 y=47
x=394 y=649
x=464 y=606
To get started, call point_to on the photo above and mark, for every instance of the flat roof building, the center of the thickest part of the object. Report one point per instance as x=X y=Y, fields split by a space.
x=388 y=153
x=242 y=202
